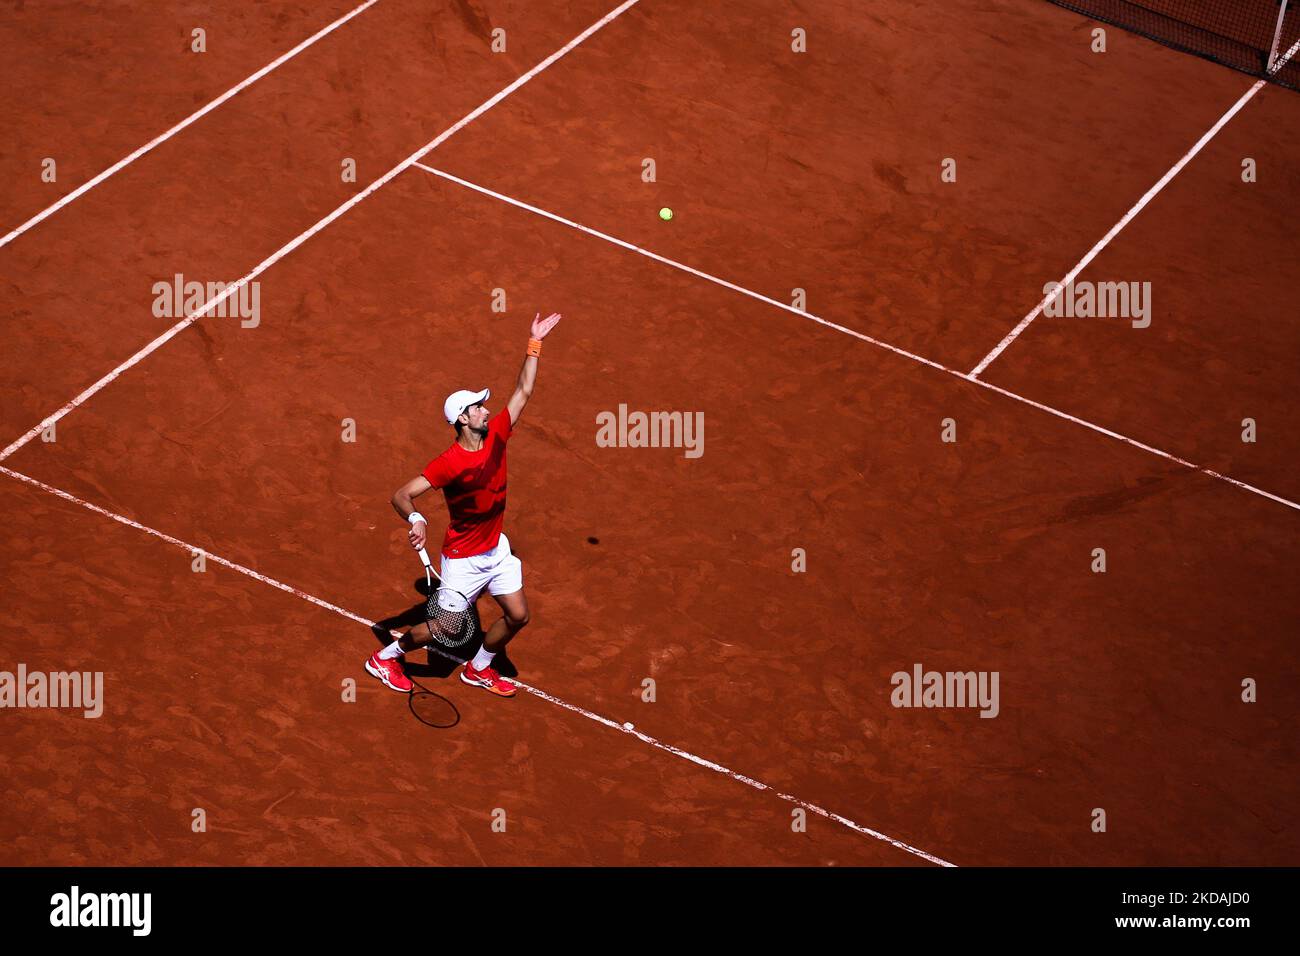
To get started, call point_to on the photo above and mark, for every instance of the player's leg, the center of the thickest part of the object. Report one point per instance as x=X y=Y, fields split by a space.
x=461 y=574
x=480 y=671
x=386 y=664
x=506 y=585
x=514 y=618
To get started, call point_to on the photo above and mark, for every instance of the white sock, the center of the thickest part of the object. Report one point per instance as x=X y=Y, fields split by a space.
x=392 y=650
x=482 y=659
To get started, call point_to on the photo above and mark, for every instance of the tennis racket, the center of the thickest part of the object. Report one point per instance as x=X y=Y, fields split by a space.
x=451 y=617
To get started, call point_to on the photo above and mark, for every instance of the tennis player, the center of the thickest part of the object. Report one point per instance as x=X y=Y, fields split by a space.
x=475 y=552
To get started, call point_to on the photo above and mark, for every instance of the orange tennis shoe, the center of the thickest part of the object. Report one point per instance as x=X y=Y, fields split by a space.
x=390 y=672
x=489 y=680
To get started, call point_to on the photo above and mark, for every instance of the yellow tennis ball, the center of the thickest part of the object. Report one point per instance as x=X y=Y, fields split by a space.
x=665 y=214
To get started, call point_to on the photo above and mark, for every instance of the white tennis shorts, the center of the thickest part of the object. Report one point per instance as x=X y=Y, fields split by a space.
x=497 y=570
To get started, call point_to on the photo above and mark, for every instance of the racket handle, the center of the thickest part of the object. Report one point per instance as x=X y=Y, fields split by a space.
x=430 y=575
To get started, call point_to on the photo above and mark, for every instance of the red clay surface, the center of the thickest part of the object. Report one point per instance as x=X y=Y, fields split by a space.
x=822 y=171
x=87 y=84
x=237 y=186
x=248 y=723
x=1222 y=345
x=1119 y=690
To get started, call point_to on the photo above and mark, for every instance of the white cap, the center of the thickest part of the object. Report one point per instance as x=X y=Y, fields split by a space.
x=457 y=402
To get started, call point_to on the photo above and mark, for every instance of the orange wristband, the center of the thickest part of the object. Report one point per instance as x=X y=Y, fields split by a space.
x=535 y=347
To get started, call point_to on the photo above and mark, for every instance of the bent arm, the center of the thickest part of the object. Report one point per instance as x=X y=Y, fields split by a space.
x=404 y=505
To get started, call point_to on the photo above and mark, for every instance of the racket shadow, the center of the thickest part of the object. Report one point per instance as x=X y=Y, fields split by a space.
x=432 y=709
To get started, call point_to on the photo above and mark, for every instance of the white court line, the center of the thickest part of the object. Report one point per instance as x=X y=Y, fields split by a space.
x=1128 y=217
x=678 y=265
x=304 y=236
x=1115 y=230
x=965 y=377
x=1277 y=36
x=536 y=692
x=192 y=118
x=1133 y=442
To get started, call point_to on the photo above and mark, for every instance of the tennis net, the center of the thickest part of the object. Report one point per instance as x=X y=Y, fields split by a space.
x=1259 y=37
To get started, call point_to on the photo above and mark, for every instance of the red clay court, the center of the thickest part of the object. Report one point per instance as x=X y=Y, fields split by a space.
x=919 y=172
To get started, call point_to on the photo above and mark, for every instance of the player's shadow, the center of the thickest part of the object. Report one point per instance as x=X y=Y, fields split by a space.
x=439 y=663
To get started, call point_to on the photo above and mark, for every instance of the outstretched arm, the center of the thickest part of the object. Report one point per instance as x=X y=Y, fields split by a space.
x=404 y=506
x=528 y=374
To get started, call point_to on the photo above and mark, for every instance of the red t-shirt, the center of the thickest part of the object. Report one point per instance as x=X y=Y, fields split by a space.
x=474 y=483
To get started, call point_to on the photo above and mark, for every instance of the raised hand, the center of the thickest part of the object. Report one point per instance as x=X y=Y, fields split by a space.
x=541 y=326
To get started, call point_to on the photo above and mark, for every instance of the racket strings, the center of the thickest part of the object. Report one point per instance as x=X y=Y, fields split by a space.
x=452 y=620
